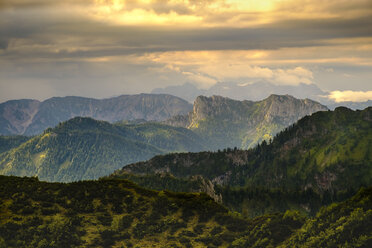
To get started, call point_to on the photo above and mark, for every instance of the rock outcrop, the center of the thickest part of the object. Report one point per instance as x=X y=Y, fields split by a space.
x=228 y=123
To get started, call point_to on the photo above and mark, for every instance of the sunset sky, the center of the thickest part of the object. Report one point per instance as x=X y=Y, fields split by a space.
x=105 y=48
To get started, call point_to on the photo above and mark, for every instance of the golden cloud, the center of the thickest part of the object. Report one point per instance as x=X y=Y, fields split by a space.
x=349 y=95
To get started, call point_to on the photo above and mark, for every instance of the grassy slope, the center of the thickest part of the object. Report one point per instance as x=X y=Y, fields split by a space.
x=83 y=148
x=347 y=224
x=172 y=139
x=117 y=213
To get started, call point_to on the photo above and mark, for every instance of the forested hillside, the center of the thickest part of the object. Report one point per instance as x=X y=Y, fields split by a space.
x=317 y=152
x=322 y=158
x=9 y=142
x=347 y=224
x=83 y=148
x=118 y=213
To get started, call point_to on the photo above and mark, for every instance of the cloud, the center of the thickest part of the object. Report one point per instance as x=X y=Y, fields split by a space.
x=223 y=73
x=245 y=84
x=221 y=66
x=203 y=81
x=204 y=42
x=61 y=30
x=348 y=95
x=293 y=76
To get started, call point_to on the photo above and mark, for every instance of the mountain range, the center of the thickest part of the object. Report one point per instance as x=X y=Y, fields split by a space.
x=305 y=180
x=225 y=122
x=30 y=117
x=257 y=90
x=84 y=148
x=325 y=155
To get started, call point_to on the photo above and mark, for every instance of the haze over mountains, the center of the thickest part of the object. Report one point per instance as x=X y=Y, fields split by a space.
x=257 y=90
x=245 y=123
x=30 y=117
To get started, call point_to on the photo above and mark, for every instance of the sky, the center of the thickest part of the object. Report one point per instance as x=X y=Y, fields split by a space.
x=104 y=48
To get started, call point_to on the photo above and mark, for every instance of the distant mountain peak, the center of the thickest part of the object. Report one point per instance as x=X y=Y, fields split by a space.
x=229 y=123
x=280 y=97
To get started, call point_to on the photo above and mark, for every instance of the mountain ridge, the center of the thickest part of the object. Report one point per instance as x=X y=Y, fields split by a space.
x=84 y=148
x=329 y=132
x=257 y=90
x=227 y=122
x=31 y=117
x=321 y=157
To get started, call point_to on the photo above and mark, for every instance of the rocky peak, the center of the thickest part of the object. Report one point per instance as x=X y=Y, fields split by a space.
x=289 y=108
x=283 y=106
x=219 y=107
x=243 y=124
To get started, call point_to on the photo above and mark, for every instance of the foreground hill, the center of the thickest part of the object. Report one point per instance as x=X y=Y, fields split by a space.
x=328 y=154
x=224 y=122
x=347 y=224
x=30 y=117
x=117 y=213
x=83 y=148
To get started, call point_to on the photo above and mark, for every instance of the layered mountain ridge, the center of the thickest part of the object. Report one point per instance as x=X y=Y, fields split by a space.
x=257 y=90
x=279 y=188
x=317 y=143
x=84 y=148
x=323 y=156
x=30 y=117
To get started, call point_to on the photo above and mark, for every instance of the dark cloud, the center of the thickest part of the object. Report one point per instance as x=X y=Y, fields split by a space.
x=94 y=39
x=51 y=34
x=20 y=4
x=45 y=42
x=157 y=6
x=325 y=6
x=3 y=44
